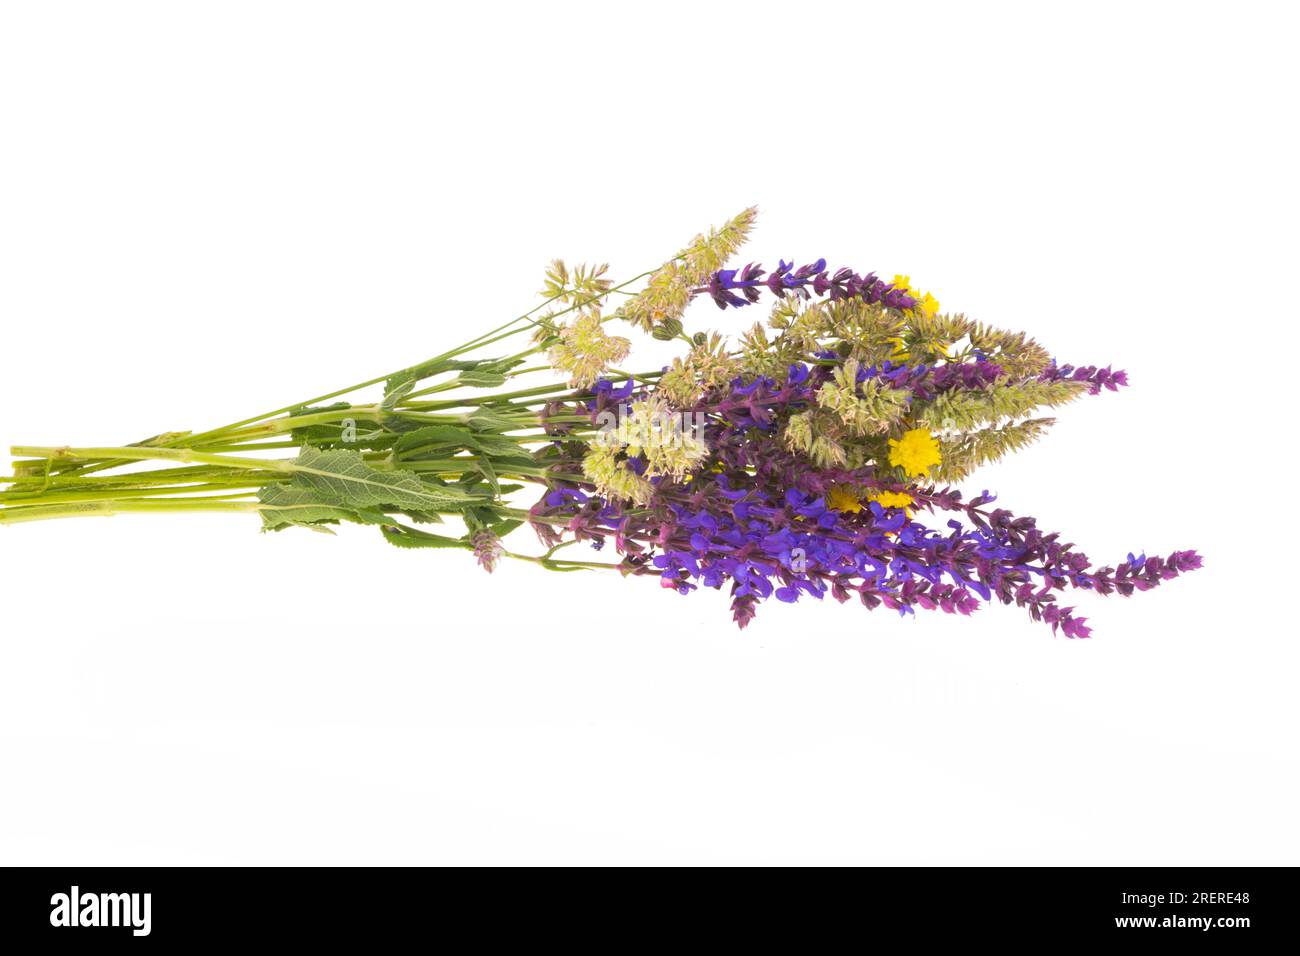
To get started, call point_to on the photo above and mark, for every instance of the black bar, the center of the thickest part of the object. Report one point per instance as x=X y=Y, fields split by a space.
x=377 y=906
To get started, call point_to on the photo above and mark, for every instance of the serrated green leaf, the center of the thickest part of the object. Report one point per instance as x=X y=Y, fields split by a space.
x=418 y=372
x=435 y=453
x=395 y=390
x=503 y=528
x=403 y=537
x=342 y=478
x=368 y=438
x=477 y=518
x=331 y=436
x=454 y=435
x=485 y=468
x=497 y=447
x=424 y=517
x=289 y=505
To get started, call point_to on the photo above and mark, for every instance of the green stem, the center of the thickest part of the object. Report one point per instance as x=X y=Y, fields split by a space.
x=544 y=562
x=114 y=494
x=486 y=338
x=135 y=479
x=107 y=508
x=132 y=453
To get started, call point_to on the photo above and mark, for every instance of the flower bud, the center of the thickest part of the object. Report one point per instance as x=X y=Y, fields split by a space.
x=667 y=330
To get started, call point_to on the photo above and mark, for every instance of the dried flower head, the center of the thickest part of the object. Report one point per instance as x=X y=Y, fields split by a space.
x=583 y=285
x=815 y=435
x=669 y=290
x=868 y=408
x=707 y=366
x=585 y=351
x=670 y=446
x=606 y=468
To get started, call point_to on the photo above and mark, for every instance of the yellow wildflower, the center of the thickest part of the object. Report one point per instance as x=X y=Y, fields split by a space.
x=892 y=499
x=844 y=498
x=851 y=499
x=927 y=304
x=916 y=452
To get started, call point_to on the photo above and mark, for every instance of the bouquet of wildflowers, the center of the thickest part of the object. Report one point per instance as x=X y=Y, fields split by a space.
x=812 y=454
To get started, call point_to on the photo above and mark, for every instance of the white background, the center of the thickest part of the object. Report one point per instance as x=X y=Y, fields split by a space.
x=208 y=210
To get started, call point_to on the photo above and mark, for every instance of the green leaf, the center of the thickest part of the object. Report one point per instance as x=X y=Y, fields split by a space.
x=499 y=365
x=481 y=379
x=407 y=378
x=486 y=420
x=488 y=472
x=424 y=517
x=456 y=435
x=300 y=410
x=403 y=537
x=503 y=528
x=396 y=389
x=292 y=506
x=501 y=448
x=342 y=478
x=331 y=436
